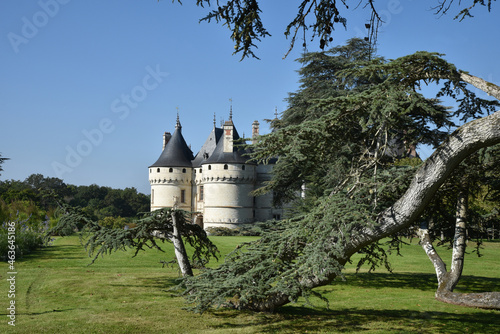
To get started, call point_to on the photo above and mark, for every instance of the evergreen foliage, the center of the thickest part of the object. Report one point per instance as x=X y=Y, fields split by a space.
x=344 y=140
x=2 y=160
x=149 y=232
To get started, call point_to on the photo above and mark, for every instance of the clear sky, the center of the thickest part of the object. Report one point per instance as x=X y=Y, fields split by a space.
x=87 y=88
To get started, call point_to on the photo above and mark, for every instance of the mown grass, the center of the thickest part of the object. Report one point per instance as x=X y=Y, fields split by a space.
x=57 y=292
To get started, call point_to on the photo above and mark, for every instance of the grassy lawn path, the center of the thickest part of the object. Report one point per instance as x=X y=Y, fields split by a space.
x=57 y=292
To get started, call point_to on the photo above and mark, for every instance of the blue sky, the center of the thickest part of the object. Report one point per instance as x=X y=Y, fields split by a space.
x=88 y=88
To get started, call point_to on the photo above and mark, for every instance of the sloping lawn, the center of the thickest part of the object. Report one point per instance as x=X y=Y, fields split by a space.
x=57 y=292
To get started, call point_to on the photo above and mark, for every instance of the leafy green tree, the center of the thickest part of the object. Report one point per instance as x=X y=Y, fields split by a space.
x=365 y=196
x=113 y=222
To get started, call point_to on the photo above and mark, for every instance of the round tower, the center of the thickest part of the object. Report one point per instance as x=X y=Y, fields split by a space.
x=171 y=176
x=228 y=180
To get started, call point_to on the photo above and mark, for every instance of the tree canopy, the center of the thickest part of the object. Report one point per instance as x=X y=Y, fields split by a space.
x=344 y=147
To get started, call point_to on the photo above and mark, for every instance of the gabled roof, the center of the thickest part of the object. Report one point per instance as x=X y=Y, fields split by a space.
x=176 y=153
x=208 y=148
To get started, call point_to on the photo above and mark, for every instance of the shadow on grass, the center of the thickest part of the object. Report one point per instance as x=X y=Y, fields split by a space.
x=296 y=319
x=58 y=252
x=423 y=282
x=292 y=319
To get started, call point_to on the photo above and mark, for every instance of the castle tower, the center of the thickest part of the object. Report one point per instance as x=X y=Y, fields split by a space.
x=228 y=179
x=171 y=175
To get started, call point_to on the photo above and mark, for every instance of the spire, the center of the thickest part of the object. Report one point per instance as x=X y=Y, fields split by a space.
x=275 y=112
x=231 y=109
x=214 y=120
x=178 y=123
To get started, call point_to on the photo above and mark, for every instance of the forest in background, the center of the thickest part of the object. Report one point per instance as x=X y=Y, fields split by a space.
x=41 y=197
x=36 y=204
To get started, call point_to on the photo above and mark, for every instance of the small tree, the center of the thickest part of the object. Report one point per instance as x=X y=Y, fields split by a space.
x=164 y=225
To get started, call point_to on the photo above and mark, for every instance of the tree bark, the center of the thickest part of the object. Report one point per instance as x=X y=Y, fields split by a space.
x=447 y=281
x=459 y=241
x=437 y=262
x=180 y=249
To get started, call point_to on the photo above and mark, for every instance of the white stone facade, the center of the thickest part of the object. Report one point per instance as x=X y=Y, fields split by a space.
x=216 y=185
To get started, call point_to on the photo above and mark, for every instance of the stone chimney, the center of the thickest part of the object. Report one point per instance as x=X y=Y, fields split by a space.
x=166 y=138
x=228 y=136
x=255 y=131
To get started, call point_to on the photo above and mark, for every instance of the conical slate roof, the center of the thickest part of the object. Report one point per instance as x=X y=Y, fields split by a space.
x=176 y=153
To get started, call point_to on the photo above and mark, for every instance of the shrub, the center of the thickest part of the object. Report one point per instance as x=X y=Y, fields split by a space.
x=29 y=235
x=245 y=230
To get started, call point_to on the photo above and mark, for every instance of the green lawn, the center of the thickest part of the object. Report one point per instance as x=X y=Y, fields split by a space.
x=56 y=292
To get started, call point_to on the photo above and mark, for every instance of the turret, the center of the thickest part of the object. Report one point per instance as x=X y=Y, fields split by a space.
x=171 y=175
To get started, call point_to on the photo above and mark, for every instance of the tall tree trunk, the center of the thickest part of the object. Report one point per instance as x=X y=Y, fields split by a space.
x=459 y=241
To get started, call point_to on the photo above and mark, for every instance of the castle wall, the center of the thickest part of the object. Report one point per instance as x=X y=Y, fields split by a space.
x=170 y=186
x=227 y=199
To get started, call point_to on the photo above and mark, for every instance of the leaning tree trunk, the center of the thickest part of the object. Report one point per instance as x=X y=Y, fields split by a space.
x=430 y=176
x=447 y=281
x=179 y=248
x=464 y=141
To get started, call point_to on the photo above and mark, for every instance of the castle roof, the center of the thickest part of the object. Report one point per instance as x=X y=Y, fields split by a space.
x=238 y=154
x=176 y=153
x=208 y=148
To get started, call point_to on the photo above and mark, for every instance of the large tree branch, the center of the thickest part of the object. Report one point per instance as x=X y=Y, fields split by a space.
x=431 y=175
x=463 y=142
x=487 y=87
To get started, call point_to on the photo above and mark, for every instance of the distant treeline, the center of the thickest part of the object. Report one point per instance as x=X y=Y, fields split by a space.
x=41 y=198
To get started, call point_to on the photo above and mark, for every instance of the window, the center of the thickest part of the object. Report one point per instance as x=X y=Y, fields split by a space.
x=183 y=196
x=152 y=196
x=150 y=170
x=170 y=170
x=226 y=167
x=157 y=170
x=209 y=167
x=200 y=192
x=184 y=170
x=243 y=167
x=200 y=170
